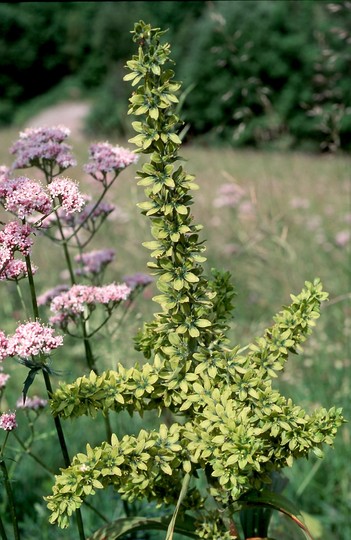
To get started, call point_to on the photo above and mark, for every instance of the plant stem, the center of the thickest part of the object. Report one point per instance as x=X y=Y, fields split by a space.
x=87 y=346
x=10 y=499
x=47 y=381
x=2 y=530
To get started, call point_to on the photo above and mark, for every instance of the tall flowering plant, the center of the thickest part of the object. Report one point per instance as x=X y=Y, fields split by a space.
x=224 y=424
x=55 y=207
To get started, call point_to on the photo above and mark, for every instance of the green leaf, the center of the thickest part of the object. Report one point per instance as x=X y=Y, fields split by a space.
x=29 y=381
x=269 y=499
x=182 y=494
x=120 y=527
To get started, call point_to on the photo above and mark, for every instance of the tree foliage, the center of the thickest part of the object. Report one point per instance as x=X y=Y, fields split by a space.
x=261 y=72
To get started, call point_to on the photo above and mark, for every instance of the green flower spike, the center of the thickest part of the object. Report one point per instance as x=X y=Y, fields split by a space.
x=231 y=423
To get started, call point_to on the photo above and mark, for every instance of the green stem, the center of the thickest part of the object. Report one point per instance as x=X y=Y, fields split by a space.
x=28 y=451
x=92 y=210
x=91 y=363
x=20 y=296
x=87 y=346
x=47 y=381
x=10 y=498
x=2 y=530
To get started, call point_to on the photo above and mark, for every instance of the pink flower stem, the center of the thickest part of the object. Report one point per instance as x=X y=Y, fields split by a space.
x=9 y=492
x=87 y=346
x=2 y=530
x=47 y=381
x=93 y=208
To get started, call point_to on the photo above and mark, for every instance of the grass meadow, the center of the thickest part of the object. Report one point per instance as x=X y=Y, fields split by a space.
x=289 y=220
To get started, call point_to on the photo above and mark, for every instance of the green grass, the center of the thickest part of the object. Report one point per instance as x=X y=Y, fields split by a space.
x=270 y=251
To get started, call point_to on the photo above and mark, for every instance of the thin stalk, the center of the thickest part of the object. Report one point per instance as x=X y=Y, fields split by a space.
x=65 y=249
x=10 y=499
x=87 y=346
x=20 y=296
x=28 y=451
x=93 y=209
x=47 y=381
x=9 y=492
x=2 y=530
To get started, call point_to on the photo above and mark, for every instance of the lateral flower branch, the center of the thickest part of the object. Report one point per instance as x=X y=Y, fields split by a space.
x=231 y=422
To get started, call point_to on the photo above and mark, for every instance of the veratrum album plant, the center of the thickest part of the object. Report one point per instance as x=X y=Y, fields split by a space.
x=225 y=431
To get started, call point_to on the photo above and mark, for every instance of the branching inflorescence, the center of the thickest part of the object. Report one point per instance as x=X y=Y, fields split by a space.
x=231 y=422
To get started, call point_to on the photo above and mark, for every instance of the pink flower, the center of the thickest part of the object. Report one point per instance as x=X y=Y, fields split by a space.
x=8 y=421
x=4 y=377
x=101 y=212
x=31 y=339
x=229 y=194
x=105 y=158
x=299 y=202
x=342 y=238
x=4 y=173
x=3 y=345
x=68 y=194
x=72 y=302
x=15 y=270
x=14 y=237
x=69 y=304
x=112 y=293
x=36 y=146
x=94 y=261
x=137 y=280
x=23 y=196
x=35 y=403
x=48 y=296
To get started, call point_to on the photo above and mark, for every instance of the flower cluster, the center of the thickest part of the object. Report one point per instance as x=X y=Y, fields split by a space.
x=4 y=377
x=229 y=194
x=105 y=158
x=35 y=403
x=3 y=345
x=23 y=197
x=94 y=262
x=30 y=339
x=40 y=146
x=47 y=297
x=15 y=270
x=139 y=279
x=68 y=194
x=68 y=305
x=8 y=421
x=14 y=237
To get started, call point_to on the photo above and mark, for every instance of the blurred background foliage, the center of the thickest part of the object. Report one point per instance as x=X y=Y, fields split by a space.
x=257 y=73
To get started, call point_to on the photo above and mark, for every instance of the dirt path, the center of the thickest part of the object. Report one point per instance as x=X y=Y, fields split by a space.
x=70 y=114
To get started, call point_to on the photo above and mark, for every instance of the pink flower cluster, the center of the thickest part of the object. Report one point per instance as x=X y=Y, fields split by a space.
x=23 y=196
x=49 y=295
x=14 y=237
x=101 y=212
x=86 y=218
x=229 y=194
x=15 y=270
x=8 y=421
x=138 y=280
x=35 y=403
x=105 y=158
x=342 y=238
x=4 y=377
x=68 y=194
x=38 y=145
x=94 y=261
x=30 y=339
x=73 y=302
x=3 y=345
